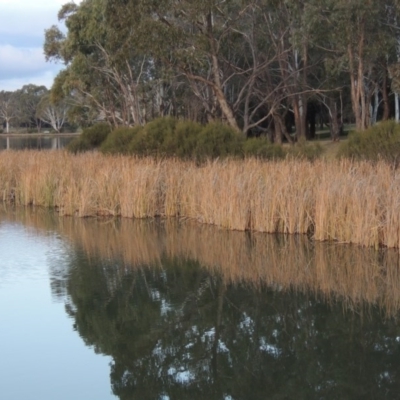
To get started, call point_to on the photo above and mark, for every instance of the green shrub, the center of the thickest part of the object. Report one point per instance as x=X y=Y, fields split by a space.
x=304 y=150
x=90 y=138
x=78 y=145
x=218 y=140
x=96 y=134
x=263 y=148
x=118 y=141
x=156 y=133
x=380 y=142
x=138 y=143
x=182 y=142
x=167 y=137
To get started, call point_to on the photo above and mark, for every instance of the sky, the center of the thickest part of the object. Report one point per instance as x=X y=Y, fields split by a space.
x=22 y=26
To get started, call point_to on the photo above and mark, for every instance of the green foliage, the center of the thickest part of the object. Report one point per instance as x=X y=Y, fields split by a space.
x=158 y=133
x=380 y=142
x=218 y=140
x=90 y=138
x=304 y=150
x=263 y=148
x=118 y=141
x=96 y=134
x=78 y=145
x=183 y=140
x=167 y=137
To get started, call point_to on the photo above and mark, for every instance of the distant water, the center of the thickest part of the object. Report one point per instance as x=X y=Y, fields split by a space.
x=166 y=309
x=29 y=142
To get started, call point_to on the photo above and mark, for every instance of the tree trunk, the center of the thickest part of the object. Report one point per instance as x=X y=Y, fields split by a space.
x=375 y=106
x=334 y=120
x=385 y=98
x=358 y=96
x=277 y=128
x=300 y=116
x=311 y=120
x=217 y=87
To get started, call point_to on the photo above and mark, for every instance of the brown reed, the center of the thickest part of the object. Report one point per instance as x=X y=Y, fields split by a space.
x=344 y=201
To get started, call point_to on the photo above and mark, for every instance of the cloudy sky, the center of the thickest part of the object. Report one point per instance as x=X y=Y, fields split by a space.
x=21 y=42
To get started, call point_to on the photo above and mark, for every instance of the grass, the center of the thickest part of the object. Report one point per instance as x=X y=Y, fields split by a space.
x=342 y=201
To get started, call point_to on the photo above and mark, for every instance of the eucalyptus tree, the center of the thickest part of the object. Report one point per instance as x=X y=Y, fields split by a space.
x=393 y=19
x=28 y=99
x=8 y=108
x=224 y=52
x=52 y=112
x=186 y=37
x=107 y=75
x=362 y=40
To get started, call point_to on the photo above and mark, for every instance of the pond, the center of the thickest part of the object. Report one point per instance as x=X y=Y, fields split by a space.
x=169 y=309
x=28 y=141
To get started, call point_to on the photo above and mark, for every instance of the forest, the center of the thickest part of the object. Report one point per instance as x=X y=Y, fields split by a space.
x=280 y=68
x=260 y=66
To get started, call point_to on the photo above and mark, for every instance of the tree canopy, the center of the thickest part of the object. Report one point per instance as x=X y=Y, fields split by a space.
x=257 y=65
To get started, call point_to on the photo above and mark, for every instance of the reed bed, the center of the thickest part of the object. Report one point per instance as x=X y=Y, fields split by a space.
x=344 y=201
x=354 y=275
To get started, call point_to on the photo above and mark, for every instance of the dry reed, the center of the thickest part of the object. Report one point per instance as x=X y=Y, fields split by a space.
x=336 y=200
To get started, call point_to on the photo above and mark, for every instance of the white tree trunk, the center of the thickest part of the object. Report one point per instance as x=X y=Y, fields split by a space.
x=397 y=110
x=374 y=107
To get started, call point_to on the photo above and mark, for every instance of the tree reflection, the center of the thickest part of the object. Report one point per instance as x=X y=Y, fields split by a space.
x=176 y=331
x=190 y=312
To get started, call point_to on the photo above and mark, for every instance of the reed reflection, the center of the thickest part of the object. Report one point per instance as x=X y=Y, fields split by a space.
x=350 y=273
x=191 y=312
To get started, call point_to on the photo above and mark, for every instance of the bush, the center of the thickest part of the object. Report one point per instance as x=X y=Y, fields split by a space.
x=78 y=145
x=167 y=137
x=263 y=148
x=218 y=140
x=96 y=134
x=182 y=142
x=119 y=140
x=156 y=133
x=304 y=150
x=90 y=138
x=138 y=143
x=380 y=142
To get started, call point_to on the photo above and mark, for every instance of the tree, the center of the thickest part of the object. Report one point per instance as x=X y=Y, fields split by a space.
x=8 y=108
x=28 y=99
x=362 y=38
x=102 y=73
x=257 y=65
x=53 y=113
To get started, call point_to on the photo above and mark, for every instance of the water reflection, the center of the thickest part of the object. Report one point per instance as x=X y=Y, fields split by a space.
x=34 y=142
x=352 y=274
x=191 y=312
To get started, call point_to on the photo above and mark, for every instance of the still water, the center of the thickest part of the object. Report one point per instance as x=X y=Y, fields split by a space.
x=159 y=309
x=34 y=142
